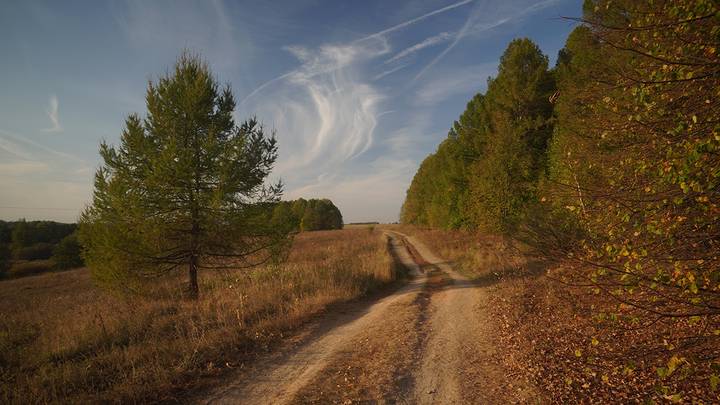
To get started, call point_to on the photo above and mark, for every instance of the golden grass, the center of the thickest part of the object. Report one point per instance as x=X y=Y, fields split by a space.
x=22 y=268
x=64 y=340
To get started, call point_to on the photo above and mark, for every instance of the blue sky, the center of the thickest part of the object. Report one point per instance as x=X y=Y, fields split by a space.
x=359 y=92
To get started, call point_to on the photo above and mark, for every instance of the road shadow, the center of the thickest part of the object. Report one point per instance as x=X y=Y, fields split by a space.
x=532 y=269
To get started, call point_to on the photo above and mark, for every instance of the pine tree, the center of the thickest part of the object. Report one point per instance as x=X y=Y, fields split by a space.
x=184 y=189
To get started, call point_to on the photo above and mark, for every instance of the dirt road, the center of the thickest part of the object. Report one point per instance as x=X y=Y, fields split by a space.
x=429 y=342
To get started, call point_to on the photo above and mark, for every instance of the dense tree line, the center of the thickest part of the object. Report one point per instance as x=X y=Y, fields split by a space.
x=609 y=161
x=307 y=215
x=26 y=233
x=486 y=172
x=30 y=240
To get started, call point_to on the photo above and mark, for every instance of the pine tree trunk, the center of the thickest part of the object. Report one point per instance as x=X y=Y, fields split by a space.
x=193 y=290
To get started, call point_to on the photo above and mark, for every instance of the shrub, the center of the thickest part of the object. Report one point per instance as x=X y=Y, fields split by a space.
x=66 y=254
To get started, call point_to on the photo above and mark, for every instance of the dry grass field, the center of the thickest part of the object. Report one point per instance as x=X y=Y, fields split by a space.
x=23 y=268
x=64 y=340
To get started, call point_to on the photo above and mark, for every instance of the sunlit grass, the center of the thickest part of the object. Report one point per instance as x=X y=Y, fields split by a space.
x=64 y=340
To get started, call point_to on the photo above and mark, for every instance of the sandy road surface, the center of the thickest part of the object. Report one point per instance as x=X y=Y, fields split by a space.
x=429 y=342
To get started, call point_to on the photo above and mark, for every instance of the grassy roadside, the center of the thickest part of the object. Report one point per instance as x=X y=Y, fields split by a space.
x=64 y=340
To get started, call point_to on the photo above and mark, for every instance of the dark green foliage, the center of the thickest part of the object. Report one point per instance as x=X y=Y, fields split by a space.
x=5 y=232
x=5 y=257
x=185 y=188
x=66 y=254
x=307 y=215
x=24 y=233
x=485 y=174
x=503 y=182
x=38 y=251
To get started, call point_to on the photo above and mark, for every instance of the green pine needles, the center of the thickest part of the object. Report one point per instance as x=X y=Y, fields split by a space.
x=186 y=188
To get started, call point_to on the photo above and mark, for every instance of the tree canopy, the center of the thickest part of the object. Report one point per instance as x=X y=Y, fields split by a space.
x=184 y=189
x=307 y=215
x=484 y=173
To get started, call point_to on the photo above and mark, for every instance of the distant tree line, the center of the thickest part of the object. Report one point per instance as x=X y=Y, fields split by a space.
x=307 y=215
x=609 y=161
x=39 y=240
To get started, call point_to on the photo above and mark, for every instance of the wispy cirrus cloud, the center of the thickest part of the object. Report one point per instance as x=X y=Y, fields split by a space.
x=53 y=114
x=326 y=111
x=327 y=102
x=327 y=106
x=23 y=148
x=379 y=35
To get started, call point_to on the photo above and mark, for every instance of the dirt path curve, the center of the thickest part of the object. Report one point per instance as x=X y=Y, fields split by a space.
x=429 y=342
x=278 y=380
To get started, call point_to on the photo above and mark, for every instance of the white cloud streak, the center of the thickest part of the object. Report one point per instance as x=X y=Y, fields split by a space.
x=415 y=20
x=54 y=115
x=478 y=22
x=26 y=149
x=390 y=71
x=434 y=40
x=460 y=35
